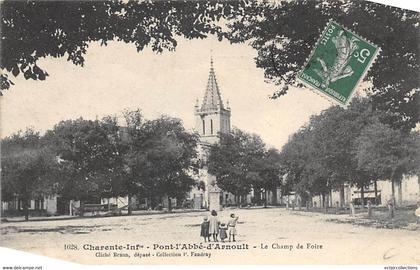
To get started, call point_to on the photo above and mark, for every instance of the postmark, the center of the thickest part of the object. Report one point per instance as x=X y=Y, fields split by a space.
x=339 y=61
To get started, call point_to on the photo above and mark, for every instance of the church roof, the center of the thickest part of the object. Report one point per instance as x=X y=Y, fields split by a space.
x=212 y=98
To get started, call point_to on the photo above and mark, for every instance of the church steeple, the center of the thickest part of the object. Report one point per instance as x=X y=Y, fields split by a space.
x=212 y=98
x=212 y=118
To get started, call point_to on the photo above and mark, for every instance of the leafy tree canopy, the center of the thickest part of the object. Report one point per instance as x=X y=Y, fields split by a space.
x=283 y=33
x=35 y=29
x=386 y=152
x=26 y=168
x=236 y=160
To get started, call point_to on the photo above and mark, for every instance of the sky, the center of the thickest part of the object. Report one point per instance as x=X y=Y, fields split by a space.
x=117 y=77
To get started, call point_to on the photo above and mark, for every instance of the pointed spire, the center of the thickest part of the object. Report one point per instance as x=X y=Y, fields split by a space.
x=212 y=98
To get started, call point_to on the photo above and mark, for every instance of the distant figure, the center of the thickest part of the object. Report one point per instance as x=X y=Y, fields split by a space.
x=214 y=225
x=352 y=210
x=222 y=231
x=370 y=211
x=417 y=212
x=205 y=230
x=391 y=207
x=232 y=227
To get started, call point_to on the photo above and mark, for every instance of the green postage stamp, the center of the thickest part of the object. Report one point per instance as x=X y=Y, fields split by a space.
x=338 y=63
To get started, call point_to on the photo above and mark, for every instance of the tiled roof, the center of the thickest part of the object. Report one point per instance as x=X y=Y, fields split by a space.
x=212 y=98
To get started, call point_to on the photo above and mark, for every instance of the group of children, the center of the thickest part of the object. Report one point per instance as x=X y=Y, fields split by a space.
x=212 y=227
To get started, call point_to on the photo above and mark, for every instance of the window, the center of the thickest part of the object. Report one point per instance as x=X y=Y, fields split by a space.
x=204 y=127
x=211 y=126
x=39 y=204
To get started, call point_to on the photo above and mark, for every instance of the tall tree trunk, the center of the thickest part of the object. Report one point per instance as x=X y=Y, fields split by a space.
x=26 y=209
x=82 y=208
x=149 y=203
x=169 y=204
x=399 y=184
x=265 y=198
x=281 y=197
x=393 y=189
x=375 y=186
x=299 y=202
x=394 y=179
x=129 y=208
x=257 y=196
x=342 y=200
x=391 y=202
x=324 y=204
x=362 y=196
x=274 y=197
x=330 y=199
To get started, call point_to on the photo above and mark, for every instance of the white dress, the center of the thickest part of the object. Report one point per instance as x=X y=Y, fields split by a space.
x=213 y=225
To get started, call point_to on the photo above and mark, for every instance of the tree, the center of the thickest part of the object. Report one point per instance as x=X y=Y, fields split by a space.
x=282 y=33
x=136 y=169
x=35 y=29
x=87 y=157
x=270 y=172
x=388 y=153
x=285 y=33
x=159 y=158
x=235 y=162
x=27 y=168
x=170 y=151
x=335 y=141
x=294 y=156
x=322 y=156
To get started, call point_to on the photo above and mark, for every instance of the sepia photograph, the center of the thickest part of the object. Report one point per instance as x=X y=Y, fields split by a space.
x=201 y=132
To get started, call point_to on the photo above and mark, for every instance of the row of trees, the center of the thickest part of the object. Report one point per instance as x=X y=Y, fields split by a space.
x=353 y=146
x=83 y=159
x=348 y=146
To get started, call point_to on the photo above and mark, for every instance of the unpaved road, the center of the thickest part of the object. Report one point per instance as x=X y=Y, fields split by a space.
x=271 y=236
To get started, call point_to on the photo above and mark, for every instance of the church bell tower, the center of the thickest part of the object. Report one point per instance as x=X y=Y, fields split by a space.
x=212 y=118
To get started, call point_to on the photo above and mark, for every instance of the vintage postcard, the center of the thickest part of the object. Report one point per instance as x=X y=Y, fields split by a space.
x=210 y=132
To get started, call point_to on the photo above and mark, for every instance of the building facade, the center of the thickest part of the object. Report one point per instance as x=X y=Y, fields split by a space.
x=407 y=192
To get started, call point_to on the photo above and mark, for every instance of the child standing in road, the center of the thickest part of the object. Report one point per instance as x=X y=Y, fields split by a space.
x=214 y=225
x=232 y=227
x=222 y=232
x=205 y=230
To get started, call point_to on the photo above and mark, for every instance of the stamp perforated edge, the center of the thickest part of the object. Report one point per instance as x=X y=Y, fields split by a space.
x=368 y=66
